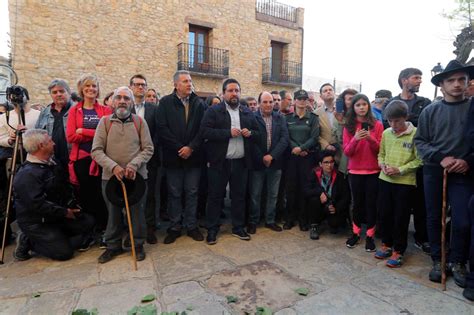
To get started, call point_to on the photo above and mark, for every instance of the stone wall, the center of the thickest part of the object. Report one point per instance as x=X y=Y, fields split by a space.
x=118 y=38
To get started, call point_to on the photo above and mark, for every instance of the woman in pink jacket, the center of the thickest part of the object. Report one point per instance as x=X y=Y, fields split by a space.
x=83 y=171
x=361 y=141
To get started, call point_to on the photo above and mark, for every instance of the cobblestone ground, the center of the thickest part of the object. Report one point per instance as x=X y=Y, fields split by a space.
x=264 y=272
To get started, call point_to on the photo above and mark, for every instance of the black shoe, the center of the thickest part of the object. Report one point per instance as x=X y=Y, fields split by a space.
x=424 y=246
x=241 y=234
x=468 y=293
x=211 y=238
x=196 y=235
x=140 y=253
x=102 y=243
x=86 y=244
x=435 y=273
x=127 y=243
x=274 y=227
x=369 y=244
x=352 y=241
x=150 y=236
x=288 y=225
x=459 y=272
x=304 y=228
x=314 y=233
x=109 y=254
x=333 y=230
x=172 y=236
x=22 y=250
x=251 y=228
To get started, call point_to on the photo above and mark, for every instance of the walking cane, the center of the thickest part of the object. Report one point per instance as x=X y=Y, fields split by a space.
x=443 y=231
x=130 y=229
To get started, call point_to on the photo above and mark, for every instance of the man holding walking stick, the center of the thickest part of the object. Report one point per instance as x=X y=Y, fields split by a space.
x=441 y=143
x=122 y=146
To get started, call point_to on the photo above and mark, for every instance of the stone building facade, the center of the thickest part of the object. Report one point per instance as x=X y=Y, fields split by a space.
x=258 y=42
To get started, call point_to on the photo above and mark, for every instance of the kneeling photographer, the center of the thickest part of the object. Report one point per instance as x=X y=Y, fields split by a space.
x=50 y=222
x=328 y=195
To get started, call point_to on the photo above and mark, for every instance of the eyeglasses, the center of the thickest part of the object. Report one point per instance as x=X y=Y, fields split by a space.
x=328 y=162
x=124 y=97
x=139 y=84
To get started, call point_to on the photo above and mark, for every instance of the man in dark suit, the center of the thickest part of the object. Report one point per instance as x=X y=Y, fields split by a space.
x=148 y=111
x=179 y=120
x=229 y=129
x=268 y=152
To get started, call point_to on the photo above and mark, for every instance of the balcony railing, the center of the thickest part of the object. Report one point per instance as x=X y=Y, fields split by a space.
x=203 y=60
x=277 y=10
x=281 y=72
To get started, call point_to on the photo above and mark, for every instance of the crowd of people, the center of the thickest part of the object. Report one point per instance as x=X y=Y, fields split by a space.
x=347 y=162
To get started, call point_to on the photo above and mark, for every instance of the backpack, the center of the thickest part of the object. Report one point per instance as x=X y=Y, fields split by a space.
x=137 y=122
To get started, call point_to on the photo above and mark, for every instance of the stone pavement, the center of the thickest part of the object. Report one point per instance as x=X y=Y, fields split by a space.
x=264 y=272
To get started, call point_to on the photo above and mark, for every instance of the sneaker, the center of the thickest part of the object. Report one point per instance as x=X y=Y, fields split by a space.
x=468 y=293
x=196 y=235
x=140 y=253
x=22 y=250
x=241 y=234
x=352 y=241
x=86 y=244
x=459 y=273
x=304 y=228
x=172 y=236
x=288 y=225
x=424 y=246
x=395 y=261
x=109 y=254
x=369 y=244
x=384 y=252
x=314 y=232
x=211 y=238
x=102 y=243
x=150 y=236
x=435 y=273
x=251 y=228
x=274 y=227
x=127 y=243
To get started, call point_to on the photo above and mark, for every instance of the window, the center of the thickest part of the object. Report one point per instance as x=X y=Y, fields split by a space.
x=276 y=55
x=198 y=53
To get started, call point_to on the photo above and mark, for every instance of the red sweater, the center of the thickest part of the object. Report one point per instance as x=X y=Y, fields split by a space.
x=363 y=153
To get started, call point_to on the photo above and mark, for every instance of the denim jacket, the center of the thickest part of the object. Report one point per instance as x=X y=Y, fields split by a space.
x=46 y=120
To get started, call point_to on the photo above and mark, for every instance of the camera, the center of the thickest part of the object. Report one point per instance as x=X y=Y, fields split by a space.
x=17 y=95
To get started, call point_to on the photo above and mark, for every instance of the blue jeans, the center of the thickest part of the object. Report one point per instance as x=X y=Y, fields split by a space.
x=183 y=181
x=115 y=223
x=257 y=179
x=459 y=190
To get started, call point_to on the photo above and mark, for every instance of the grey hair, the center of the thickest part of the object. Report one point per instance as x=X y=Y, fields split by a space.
x=84 y=79
x=124 y=88
x=59 y=82
x=32 y=138
x=178 y=73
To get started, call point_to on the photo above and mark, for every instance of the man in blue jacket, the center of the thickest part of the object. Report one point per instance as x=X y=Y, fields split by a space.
x=229 y=129
x=269 y=152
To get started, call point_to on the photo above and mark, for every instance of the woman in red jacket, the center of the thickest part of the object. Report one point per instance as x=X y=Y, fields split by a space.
x=83 y=171
x=361 y=141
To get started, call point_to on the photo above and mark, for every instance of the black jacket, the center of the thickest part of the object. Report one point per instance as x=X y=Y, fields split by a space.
x=41 y=193
x=174 y=133
x=151 y=118
x=340 y=194
x=413 y=112
x=279 y=143
x=215 y=130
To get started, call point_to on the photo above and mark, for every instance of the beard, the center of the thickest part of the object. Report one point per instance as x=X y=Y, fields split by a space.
x=413 y=88
x=122 y=112
x=234 y=102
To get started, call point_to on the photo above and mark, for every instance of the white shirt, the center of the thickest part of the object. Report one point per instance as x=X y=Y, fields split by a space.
x=30 y=121
x=330 y=116
x=235 y=150
x=140 y=109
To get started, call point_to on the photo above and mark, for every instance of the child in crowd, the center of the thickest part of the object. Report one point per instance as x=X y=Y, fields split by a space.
x=361 y=140
x=398 y=161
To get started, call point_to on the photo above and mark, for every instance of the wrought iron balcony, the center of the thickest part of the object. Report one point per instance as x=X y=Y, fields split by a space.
x=203 y=60
x=277 y=10
x=281 y=72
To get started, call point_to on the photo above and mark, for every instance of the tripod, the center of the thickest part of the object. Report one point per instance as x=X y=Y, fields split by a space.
x=18 y=148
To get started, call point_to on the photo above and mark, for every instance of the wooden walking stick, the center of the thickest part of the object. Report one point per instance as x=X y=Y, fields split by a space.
x=443 y=231
x=130 y=229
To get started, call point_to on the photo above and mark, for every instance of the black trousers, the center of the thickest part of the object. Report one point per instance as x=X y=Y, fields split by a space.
x=90 y=193
x=150 y=205
x=235 y=173
x=364 y=195
x=318 y=212
x=296 y=172
x=58 y=240
x=419 y=208
x=395 y=201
